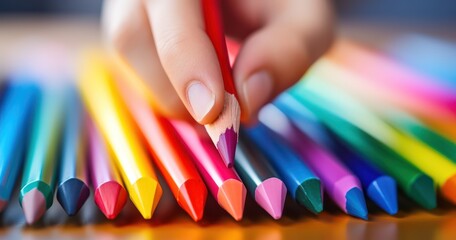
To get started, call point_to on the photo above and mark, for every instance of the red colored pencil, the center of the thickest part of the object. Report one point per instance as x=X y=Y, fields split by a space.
x=224 y=131
x=223 y=183
x=110 y=194
x=169 y=155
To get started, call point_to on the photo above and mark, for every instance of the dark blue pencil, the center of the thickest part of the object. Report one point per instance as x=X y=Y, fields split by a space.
x=380 y=188
x=73 y=191
x=301 y=182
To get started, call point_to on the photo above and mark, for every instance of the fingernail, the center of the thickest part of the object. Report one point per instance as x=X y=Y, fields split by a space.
x=201 y=99
x=257 y=91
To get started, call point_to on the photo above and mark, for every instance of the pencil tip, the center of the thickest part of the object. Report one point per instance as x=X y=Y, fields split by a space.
x=309 y=195
x=2 y=204
x=34 y=205
x=226 y=146
x=422 y=190
x=110 y=198
x=270 y=195
x=449 y=189
x=231 y=197
x=383 y=192
x=72 y=194
x=355 y=203
x=192 y=198
x=145 y=194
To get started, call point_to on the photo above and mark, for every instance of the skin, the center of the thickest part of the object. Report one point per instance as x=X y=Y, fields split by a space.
x=165 y=43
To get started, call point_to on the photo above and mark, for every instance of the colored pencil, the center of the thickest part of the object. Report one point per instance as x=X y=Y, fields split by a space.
x=40 y=172
x=416 y=185
x=223 y=183
x=15 y=113
x=261 y=181
x=390 y=85
x=427 y=55
x=72 y=187
x=169 y=155
x=341 y=185
x=422 y=156
x=224 y=130
x=380 y=187
x=110 y=194
x=434 y=164
x=302 y=184
x=421 y=131
x=110 y=116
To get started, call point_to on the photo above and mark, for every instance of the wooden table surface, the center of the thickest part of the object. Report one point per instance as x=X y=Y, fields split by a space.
x=170 y=222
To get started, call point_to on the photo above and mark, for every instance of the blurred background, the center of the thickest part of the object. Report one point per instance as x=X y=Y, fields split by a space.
x=407 y=11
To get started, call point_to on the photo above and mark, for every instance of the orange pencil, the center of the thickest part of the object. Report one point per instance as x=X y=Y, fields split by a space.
x=223 y=182
x=169 y=155
x=224 y=131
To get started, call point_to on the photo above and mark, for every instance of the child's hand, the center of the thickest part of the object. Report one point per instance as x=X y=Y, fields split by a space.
x=164 y=41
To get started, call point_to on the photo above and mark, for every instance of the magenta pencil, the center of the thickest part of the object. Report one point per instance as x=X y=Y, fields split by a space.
x=110 y=194
x=223 y=182
x=341 y=185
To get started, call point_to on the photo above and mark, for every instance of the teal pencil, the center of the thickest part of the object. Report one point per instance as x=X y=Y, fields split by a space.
x=72 y=190
x=15 y=113
x=38 y=180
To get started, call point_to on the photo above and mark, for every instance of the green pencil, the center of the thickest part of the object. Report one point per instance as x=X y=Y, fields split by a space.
x=417 y=185
x=38 y=180
x=424 y=133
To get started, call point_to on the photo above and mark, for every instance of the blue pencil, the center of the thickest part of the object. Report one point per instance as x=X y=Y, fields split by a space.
x=301 y=182
x=380 y=188
x=15 y=115
x=72 y=190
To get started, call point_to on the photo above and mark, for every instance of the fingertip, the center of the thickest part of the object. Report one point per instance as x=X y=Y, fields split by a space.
x=204 y=102
x=254 y=92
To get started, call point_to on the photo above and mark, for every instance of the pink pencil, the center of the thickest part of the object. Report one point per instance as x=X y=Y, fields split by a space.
x=223 y=183
x=385 y=72
x=341 y=185
x=110 y=194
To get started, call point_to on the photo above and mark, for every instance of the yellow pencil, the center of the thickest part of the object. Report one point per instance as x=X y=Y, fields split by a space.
x=434 y=164
x=105 y=107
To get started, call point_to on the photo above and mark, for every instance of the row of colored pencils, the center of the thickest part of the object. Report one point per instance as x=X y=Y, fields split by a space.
x=344 y=131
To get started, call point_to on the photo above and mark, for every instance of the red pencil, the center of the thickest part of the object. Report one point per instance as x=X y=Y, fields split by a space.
x=110 y=194
x=224 y=130
x=169 y=155
x=223 y=182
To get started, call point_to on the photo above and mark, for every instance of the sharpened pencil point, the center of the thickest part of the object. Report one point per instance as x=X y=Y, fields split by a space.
x=72 y=194
x=192 y=198
x=423 y=192
x=2 y=205
x=270 y=195
x=145 y=194
x=226 y=146
x=110 y=197
x=355 y=203
x=308 y=194
x=449 y=189
x=34 y=205
x=231 y=196
x=383 y=192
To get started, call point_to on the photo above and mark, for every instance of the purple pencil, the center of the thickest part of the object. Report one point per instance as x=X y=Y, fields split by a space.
x=340 y=184
x=110 y=194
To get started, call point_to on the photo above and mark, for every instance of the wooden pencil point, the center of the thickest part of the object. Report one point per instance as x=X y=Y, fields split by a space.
x=224 y=131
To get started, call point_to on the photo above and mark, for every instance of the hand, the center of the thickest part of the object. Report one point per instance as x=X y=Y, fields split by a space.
x=165 y=43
